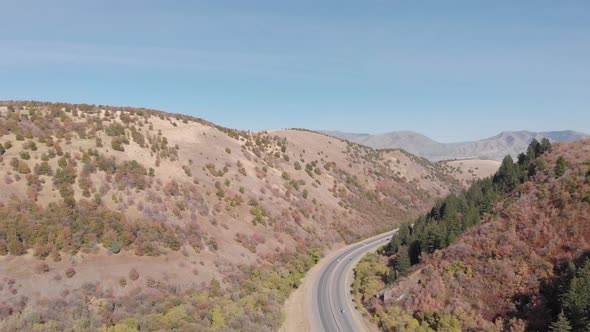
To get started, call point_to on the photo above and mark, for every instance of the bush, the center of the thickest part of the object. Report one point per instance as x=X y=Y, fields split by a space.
x=24 y=155
x=23 y=168
x=116 y=246
x=117 y=143
x=30 y=145
x=133 y=274
x=43 y=169
x=42 y=268
x=70 y=272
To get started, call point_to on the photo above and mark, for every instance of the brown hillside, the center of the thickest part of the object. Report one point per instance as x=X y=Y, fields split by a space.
x=492 y=277
x=100 y=206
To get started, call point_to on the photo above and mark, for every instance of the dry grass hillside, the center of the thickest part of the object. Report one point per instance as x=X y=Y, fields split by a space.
x=134 y=219
x=470 y=170
x=511 y=271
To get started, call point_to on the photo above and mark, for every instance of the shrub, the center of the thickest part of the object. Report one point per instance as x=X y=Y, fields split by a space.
x=228 y=150
x=117 y=144
x=133 y=274
x=43 y=169
x=24 y=155
x=70 y=272
x=30 y=145
x=23 y=168
x=116 y=246
x=42 y=268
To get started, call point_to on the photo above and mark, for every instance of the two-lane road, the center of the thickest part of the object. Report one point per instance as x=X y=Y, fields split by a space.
x=333 y=307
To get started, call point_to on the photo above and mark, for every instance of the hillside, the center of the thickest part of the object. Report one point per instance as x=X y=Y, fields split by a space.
x=508 y=142
x=123 y=218
x=470 y=170
x=517 y=270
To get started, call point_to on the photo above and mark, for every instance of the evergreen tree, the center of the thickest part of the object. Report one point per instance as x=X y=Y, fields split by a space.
x=560 y=167
x=471 y=217
x=522 y=159
x=562 y=324
x=545 y=145
x=402 y=261
x=506 y=179
x=534 y=149
x=450 y=217
x=576 y=301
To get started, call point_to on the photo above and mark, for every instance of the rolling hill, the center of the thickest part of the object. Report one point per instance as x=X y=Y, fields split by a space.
x=119 y=218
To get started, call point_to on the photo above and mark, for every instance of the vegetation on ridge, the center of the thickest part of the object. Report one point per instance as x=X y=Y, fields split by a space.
x=522 y=267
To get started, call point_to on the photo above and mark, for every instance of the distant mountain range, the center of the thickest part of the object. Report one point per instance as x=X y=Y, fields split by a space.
x=507 y=142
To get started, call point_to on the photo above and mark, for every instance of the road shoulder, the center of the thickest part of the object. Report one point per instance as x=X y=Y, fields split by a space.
x=300 y=306
x=300 y=302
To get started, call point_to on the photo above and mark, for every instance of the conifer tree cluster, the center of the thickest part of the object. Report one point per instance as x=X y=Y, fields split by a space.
x=456 y=213
x=573 y=298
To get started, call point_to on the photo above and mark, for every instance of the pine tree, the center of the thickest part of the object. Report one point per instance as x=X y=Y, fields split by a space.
x=560 y=167
x=545 y=145
x=534 y=149
x=562 y=324
x=576 y=300
x=402 y=261
x=506 y=179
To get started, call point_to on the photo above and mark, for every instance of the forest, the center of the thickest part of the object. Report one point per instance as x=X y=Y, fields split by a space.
x=456 y=213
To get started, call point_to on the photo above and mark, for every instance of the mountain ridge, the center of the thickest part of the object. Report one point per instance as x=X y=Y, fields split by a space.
x=495 y=147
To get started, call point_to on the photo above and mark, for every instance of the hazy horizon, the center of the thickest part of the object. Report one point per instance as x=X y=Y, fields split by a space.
x=453 y=73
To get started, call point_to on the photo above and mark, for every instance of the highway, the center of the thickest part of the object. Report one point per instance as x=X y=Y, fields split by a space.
x=333 y=309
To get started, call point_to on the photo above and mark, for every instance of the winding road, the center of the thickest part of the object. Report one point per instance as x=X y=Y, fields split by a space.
x=333 y=309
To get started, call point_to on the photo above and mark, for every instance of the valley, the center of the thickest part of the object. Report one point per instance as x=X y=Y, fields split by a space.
x=106 y=206
x=115 y=218
x=294 y=166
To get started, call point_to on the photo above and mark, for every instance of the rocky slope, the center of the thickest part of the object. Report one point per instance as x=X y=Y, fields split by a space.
x=508 y=142
x=123 y=218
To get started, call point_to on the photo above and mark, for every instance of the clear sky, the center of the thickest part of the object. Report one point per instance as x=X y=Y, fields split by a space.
x=453 y=70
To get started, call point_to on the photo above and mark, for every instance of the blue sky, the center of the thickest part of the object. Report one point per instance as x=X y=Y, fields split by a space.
x=453 y=70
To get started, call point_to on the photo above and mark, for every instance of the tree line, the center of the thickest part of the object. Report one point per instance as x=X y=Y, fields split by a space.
x=456 y=213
